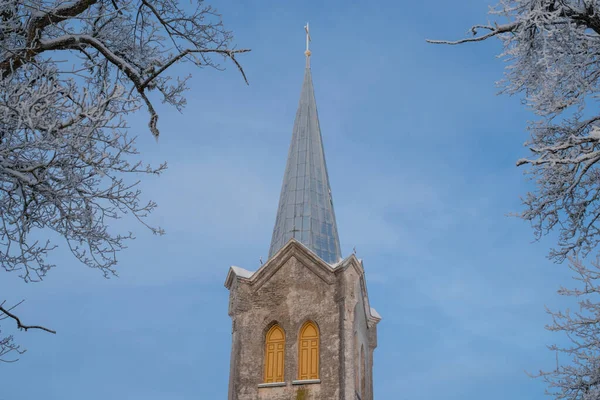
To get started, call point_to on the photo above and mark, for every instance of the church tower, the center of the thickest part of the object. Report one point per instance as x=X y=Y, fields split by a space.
x=302 y=326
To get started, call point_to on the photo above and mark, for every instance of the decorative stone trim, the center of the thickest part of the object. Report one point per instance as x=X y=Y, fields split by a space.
x=306 y=381
x=272 y=384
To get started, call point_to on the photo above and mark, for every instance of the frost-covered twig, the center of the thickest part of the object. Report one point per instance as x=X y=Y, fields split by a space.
x=135 y=49
x=553 y=53
x=68 y=166
x=493 y=31
x=553 y=50
x=578 y=376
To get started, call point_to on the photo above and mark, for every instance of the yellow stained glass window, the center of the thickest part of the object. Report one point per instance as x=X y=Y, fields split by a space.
x=274 y=354
x=308 y=365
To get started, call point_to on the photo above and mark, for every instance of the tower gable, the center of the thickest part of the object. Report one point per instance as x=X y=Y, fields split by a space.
x=289 y=291
x=293 y=288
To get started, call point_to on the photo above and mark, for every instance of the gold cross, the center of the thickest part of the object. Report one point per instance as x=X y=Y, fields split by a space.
x=307 y=36
x=308 y=39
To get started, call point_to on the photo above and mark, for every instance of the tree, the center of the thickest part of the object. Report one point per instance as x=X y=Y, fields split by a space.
x=580 y=379
x=70 y=74
x=553 y=47
x=553 y=50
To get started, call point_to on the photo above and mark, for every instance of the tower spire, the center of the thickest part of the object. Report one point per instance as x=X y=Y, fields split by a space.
x=305 y=209
x=307 y=53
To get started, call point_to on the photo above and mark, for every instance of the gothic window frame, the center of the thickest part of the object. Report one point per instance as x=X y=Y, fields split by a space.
x=308 y=357
x=278 y=344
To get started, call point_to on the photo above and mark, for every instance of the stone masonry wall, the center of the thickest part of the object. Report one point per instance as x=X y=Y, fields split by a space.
x=299 y=291
x=292 y=296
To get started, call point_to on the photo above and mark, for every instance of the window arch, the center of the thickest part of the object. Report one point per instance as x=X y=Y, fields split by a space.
x=274 y=354
x=308 y=349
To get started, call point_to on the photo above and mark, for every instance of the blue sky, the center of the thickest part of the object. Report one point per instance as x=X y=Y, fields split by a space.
x=421 y=155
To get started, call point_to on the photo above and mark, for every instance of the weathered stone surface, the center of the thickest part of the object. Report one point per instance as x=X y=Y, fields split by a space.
x=293 y=287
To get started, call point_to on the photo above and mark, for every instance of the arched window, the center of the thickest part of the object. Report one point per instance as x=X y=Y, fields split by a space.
x=308 y=349
x=274 y=354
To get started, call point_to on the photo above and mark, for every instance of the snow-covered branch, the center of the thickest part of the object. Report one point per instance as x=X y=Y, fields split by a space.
x=133 y=38
x=528 y=14
x=577 y=377
x=492 y=31
x=68 y=166
x=553 y=51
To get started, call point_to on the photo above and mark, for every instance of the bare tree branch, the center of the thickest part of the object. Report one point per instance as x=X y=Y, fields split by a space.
x=20 y=325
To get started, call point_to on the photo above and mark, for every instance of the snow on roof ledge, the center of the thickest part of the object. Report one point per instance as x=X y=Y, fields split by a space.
x=375 y=313
x=343 y=260
x=244 y=273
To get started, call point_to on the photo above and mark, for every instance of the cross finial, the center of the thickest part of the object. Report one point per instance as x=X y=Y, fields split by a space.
x=294 y=230
x=307 y=52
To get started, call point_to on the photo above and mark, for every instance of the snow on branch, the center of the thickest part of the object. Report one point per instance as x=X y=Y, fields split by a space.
x=141 y=38
x=493 y=31
x=553 y=52
x=577 y=373
x=68 y=166
x=64 y=147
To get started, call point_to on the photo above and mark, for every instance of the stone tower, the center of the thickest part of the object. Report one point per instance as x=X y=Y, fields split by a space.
x=302 y=326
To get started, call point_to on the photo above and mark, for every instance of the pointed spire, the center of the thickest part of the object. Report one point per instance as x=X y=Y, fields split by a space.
x=305 y=206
